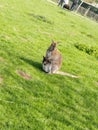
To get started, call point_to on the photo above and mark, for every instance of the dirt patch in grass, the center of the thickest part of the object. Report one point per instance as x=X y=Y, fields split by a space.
x=1 y=79
x=24 y=75
x=96 y=83
x=1 y=59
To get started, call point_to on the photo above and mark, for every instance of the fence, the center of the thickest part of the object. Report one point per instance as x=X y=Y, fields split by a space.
x=86 y=9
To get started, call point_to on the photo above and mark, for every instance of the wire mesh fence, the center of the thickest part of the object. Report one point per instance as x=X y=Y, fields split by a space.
x=85 y=9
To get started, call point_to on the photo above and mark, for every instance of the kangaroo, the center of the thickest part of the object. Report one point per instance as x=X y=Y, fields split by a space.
x=53 y=59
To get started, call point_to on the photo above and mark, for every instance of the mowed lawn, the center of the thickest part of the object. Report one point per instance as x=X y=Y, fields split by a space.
x=30 y=99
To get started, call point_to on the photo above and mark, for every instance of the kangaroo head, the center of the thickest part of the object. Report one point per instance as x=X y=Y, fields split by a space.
x=46 y=61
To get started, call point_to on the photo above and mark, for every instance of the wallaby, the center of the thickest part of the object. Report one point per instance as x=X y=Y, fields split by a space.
x=53 y=60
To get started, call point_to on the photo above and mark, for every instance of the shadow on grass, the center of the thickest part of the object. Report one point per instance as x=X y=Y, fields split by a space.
x=35 y=64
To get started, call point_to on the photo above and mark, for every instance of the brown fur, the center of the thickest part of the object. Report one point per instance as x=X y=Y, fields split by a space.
x=52 y=52
x=51 y=66
x=52 y=46
x=53 y=59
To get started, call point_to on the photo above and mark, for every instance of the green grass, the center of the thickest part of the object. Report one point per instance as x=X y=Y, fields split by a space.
x=46 y=102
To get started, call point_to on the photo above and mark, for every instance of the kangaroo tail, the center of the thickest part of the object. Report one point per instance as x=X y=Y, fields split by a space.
x=66 y=74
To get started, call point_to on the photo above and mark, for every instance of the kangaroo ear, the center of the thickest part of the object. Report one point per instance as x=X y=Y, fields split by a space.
x=55 y=43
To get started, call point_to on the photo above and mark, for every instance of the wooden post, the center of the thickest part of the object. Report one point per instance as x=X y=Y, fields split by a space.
x=85 y=14
x=79 y=6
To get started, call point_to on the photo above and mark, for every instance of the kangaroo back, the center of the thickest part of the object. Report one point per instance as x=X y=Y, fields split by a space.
x=52 y=52
x=51 y=48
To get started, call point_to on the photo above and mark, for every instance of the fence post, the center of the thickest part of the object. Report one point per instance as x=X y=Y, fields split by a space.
x=86 y=12
x=79 y=6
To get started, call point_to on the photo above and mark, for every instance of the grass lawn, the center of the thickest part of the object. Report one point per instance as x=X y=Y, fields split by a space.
x=31 y=99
